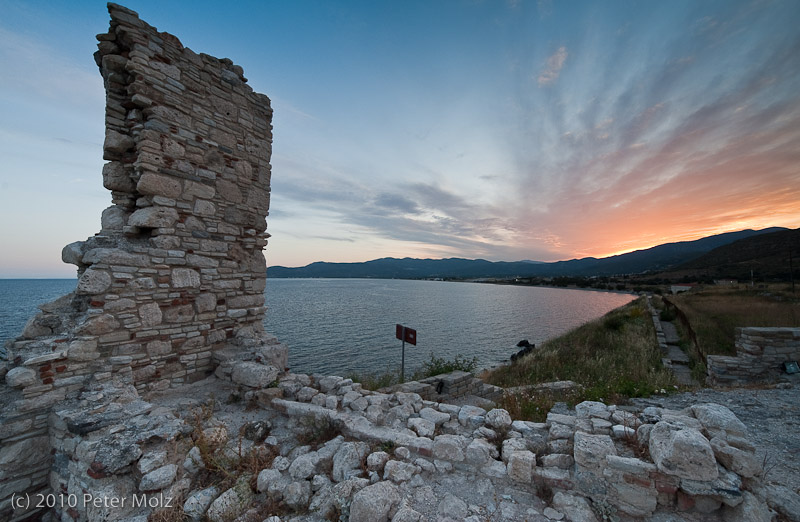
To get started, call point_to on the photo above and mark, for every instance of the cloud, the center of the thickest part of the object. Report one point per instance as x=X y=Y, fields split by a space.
x=30 y=68
x=553 y=68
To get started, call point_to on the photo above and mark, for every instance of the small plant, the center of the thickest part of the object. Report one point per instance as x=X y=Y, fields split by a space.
x=640 y=451
x=387 y=446
x=605 y=510
x=769 y=463
x=439 y=365
x=169 y=514
x=501 y=434
x=699 y=371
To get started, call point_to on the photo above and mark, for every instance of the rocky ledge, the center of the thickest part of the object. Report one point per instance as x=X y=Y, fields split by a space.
x=314 y=447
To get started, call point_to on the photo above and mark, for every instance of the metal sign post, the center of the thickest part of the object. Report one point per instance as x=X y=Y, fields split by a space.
x=405 y=334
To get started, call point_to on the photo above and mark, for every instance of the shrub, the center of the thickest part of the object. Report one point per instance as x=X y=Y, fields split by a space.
x=668 y=314
x=613 y=322
x=438 y=366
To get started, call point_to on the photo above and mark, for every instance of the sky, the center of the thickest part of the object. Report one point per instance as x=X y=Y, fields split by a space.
x=502 y=130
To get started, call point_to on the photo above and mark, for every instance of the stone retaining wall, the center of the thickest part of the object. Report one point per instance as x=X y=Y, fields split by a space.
x=450 y=386
x=760 y=354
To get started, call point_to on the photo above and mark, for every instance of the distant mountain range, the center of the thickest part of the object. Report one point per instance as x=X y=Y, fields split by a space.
x=769 y=256
x=655 y=259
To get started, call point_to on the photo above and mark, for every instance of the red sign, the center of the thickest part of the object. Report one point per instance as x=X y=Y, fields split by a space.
x=408 y=335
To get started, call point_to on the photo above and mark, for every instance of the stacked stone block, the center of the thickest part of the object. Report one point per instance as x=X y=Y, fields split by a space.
x=760 y=354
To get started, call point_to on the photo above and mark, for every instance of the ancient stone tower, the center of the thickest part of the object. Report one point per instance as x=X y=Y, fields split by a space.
x=176 y=274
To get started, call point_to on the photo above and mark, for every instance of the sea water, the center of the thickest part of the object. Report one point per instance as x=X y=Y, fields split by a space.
x=339 y=326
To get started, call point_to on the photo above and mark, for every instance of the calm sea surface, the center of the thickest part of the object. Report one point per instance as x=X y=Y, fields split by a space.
x=19 y=299
x=337 y=326
x=340 y=325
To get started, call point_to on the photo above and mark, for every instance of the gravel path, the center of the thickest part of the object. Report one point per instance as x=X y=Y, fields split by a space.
x=772 y=416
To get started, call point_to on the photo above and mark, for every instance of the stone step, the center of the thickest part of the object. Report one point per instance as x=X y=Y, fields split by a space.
x=670 y=332
x=683 y=375
x=676 y=355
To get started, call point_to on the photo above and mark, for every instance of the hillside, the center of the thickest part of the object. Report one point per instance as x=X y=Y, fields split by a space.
x=767 y=255
x=653 y=259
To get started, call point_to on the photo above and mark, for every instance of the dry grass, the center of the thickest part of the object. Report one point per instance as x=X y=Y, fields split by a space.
x=534 y=405
x=715 y=313
x=614 y=358
x=224 y=466
x=171 y=514
x=317 y=431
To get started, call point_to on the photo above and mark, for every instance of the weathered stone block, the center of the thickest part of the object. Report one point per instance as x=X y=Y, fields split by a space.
x=719 y=420
x=449 y=447
x=253 y=374
x=21 y=377
x=520 y=466
x=158 y=184
x=153 y=217
x=93 y=281
x=374 y=503
x=683 y=452
x=591 y=451
x=185 y=278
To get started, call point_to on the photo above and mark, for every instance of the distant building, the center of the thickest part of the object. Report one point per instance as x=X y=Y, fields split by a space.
x=677 y=289
x=726 y=282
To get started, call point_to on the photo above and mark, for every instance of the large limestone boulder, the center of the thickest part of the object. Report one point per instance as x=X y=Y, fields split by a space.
x=592 y=409
x=374 y=503
x=574 y=507
x=498 y=419
x=347 y=460
x=480 y=451
x=437 y=417
x=449 y=447
x=253 y=374
x=726 y=488
x=719 y=420
x=305 y=466
x=198 y=502
x=683 y=452
x=741 y=461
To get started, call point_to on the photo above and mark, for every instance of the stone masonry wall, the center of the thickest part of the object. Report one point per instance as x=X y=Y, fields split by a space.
x=176 y=273
x=760 y=353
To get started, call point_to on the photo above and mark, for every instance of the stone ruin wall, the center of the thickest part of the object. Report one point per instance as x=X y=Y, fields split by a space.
x=176 y=273
x=760 y=354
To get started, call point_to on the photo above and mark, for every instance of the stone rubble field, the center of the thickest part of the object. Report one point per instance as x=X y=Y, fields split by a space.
x=322 y=448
